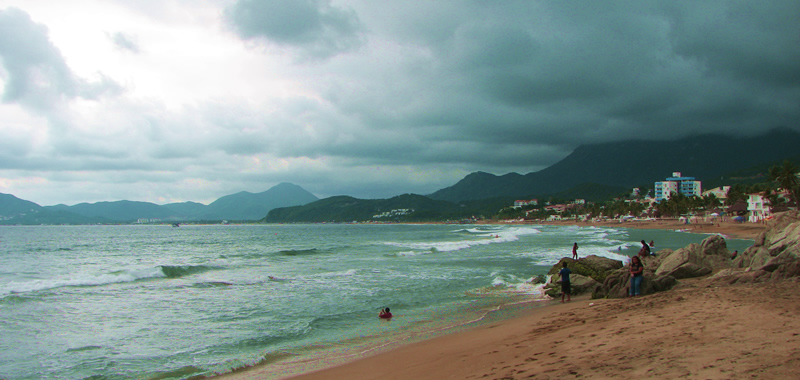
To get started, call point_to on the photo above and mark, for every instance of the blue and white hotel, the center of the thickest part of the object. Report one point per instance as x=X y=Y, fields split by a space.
x=678 y=184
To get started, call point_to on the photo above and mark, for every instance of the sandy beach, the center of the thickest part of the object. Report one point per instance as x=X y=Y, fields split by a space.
x=699 y=330
x=703 y=328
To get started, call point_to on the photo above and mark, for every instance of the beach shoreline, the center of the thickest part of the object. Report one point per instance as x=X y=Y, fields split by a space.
x=728 y=229
x=698 y=330
x=481 y=350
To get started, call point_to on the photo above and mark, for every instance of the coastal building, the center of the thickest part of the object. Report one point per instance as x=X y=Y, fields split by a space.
x=393 y=213
x=720 y=192
x=559 y=208
x=523 y=203
x=678 y=184
x=758 y=207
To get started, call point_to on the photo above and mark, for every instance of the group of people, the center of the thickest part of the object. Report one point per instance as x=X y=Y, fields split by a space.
x=636 y=271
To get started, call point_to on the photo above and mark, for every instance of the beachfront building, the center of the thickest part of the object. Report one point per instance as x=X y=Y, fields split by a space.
x=678 y=184
x=720 y=192
x=758 y=207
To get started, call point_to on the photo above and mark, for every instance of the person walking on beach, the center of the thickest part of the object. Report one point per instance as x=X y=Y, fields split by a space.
x=565 y=289
x=636 y=275
x=575 y=251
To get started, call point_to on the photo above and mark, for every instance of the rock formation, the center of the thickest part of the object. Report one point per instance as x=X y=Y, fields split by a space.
x=695 y=260
x=587 y=273
x=775 y=255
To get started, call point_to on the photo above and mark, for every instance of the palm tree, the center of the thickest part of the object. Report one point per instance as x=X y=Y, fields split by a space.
x=711 y=201
x=786 y=177
x=773 y=198
x=735 y=193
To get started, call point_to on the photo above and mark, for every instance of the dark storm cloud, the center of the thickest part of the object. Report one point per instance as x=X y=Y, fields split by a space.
x=314 y=26
x=561 y=74
x=37 y=76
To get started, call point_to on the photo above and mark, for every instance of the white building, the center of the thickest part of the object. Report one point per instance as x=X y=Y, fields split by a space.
x=523 y=203
x=678 y=184
x=758 y=207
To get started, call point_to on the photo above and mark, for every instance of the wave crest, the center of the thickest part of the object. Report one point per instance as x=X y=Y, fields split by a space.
x=116 y=277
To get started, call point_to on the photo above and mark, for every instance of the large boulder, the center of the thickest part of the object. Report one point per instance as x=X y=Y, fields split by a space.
x=578 y=285
x=782 y=235
x=775 y=254
x=617 y=283
x=587 y=274
x=592 y=266
x=695 y=260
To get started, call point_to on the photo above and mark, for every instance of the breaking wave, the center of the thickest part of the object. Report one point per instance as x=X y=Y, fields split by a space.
x=484 y=237
x=89 y=279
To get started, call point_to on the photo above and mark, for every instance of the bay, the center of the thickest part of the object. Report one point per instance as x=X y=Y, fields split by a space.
x=134 y=302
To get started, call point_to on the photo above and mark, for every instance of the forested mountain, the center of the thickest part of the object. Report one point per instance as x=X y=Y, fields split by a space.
x=11 y=205
x=402 y=208
x=632 y=163
x=249 y=206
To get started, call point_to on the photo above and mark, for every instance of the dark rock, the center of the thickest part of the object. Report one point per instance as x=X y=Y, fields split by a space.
x=587 y=273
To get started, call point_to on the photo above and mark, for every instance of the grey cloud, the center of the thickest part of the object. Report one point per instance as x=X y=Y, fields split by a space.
x=124 y=42
x=37 y=76
x=568 y=73
x=317 y=28
x=746 y=40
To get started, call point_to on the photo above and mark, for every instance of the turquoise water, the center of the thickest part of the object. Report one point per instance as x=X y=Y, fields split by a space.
x=137 y=302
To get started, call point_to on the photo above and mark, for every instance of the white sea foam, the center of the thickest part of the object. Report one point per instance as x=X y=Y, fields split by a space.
x=516 y=285
x=411 y=253
x=347 y=273
x=551 y=256
x=82 y=279
x=495 y=236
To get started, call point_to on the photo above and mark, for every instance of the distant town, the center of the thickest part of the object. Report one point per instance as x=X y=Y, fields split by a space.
x=677 y=196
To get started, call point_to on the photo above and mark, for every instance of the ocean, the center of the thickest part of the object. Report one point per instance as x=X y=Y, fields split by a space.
x=162 y=302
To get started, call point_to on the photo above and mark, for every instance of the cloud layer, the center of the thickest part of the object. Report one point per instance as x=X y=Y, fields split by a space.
x=181 y=100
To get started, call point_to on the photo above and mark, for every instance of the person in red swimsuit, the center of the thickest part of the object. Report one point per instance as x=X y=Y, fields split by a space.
x=385 y=313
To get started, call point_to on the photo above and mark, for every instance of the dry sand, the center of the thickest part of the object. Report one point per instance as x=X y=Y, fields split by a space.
x=700 y=329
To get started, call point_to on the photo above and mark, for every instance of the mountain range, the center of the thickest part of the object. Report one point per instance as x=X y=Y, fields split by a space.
x=594 y=172
x=241 y=206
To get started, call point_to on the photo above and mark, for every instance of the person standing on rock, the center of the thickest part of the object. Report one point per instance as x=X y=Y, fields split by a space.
x=565 y=288
x=636 y=275
x=575 y=251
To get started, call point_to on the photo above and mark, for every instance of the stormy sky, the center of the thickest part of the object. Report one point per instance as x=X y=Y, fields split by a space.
x=189 y=100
